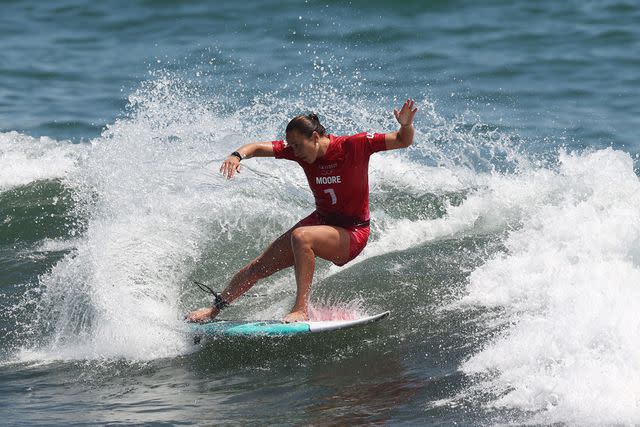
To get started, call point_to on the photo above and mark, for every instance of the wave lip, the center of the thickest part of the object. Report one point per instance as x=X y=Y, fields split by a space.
x=24 y=159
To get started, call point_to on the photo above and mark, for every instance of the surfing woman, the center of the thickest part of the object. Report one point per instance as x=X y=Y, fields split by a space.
x=337 y=171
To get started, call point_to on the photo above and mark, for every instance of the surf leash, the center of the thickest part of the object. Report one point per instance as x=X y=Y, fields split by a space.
x=218 y=301
x=209 y=290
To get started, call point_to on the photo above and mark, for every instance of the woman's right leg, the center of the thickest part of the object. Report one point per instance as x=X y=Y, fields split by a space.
x=276 y=257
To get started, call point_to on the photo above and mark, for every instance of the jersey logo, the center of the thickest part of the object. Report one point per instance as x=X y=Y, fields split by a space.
x=369 y=135
x=328 y=179
x=329 y=166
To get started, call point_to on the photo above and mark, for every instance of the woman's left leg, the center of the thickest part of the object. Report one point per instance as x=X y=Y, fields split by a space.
x=326 y=241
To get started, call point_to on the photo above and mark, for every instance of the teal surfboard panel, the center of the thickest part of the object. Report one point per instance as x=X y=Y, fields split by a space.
x=226 y=328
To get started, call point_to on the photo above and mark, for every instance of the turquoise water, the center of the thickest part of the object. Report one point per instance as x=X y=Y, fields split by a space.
x=505 y=241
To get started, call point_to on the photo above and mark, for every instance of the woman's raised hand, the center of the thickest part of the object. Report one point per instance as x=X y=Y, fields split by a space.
x=407 y=113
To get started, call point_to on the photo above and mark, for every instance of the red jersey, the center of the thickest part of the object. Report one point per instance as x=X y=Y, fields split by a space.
x=340 y=179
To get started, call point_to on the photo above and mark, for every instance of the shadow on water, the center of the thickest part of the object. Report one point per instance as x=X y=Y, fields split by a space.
x=342 y=377
x=221 y=353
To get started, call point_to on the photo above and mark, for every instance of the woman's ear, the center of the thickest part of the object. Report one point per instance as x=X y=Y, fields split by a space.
x=315 y=136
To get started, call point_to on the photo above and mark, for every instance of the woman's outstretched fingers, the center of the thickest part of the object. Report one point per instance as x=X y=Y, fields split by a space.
x=229 y=168
x=407 y=112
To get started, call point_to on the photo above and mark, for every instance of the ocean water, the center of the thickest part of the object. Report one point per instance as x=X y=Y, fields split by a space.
x=505 y=241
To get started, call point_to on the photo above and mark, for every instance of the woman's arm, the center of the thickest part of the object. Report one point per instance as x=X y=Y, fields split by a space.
x=403 y=137
x=231 y=165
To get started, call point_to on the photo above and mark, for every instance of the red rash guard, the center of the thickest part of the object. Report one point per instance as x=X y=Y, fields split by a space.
x=339 y=180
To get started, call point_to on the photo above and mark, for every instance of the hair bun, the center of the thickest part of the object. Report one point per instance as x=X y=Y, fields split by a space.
x=306 y=125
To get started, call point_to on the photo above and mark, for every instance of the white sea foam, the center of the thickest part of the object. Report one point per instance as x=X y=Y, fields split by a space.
x=494 y=202
x=56 y=245
x=397 y=170
x=24 y=159
x=569 y=285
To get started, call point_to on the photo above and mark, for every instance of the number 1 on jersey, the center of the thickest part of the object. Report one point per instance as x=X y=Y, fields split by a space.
x=332 y=193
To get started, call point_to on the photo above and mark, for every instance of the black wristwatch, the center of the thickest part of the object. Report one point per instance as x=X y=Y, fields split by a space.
x=235 y=153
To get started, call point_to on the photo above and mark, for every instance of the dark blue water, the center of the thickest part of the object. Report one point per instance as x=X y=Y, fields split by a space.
x=505 y=240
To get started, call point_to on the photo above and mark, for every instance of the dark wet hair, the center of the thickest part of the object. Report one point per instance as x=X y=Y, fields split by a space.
x=306 y=125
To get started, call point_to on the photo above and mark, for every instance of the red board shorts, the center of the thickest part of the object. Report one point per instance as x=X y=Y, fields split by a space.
x=358 y=234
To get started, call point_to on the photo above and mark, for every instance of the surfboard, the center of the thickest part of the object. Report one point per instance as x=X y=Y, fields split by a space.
x=231 y=328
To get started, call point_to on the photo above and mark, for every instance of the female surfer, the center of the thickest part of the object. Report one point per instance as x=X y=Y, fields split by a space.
x=337 y=171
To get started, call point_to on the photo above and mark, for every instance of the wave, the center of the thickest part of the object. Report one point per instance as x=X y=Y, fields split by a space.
x=561 y=287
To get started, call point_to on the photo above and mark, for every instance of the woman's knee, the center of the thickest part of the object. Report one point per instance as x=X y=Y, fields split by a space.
x=300 y=238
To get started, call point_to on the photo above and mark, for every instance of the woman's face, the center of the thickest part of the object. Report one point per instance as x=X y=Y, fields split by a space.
x=303 y=148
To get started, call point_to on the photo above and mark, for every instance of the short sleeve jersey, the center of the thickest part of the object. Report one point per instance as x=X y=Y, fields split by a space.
x=339 y=180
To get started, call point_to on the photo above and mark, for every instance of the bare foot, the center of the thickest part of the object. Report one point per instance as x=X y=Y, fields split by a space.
x=296 y=316
x=202 y=315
